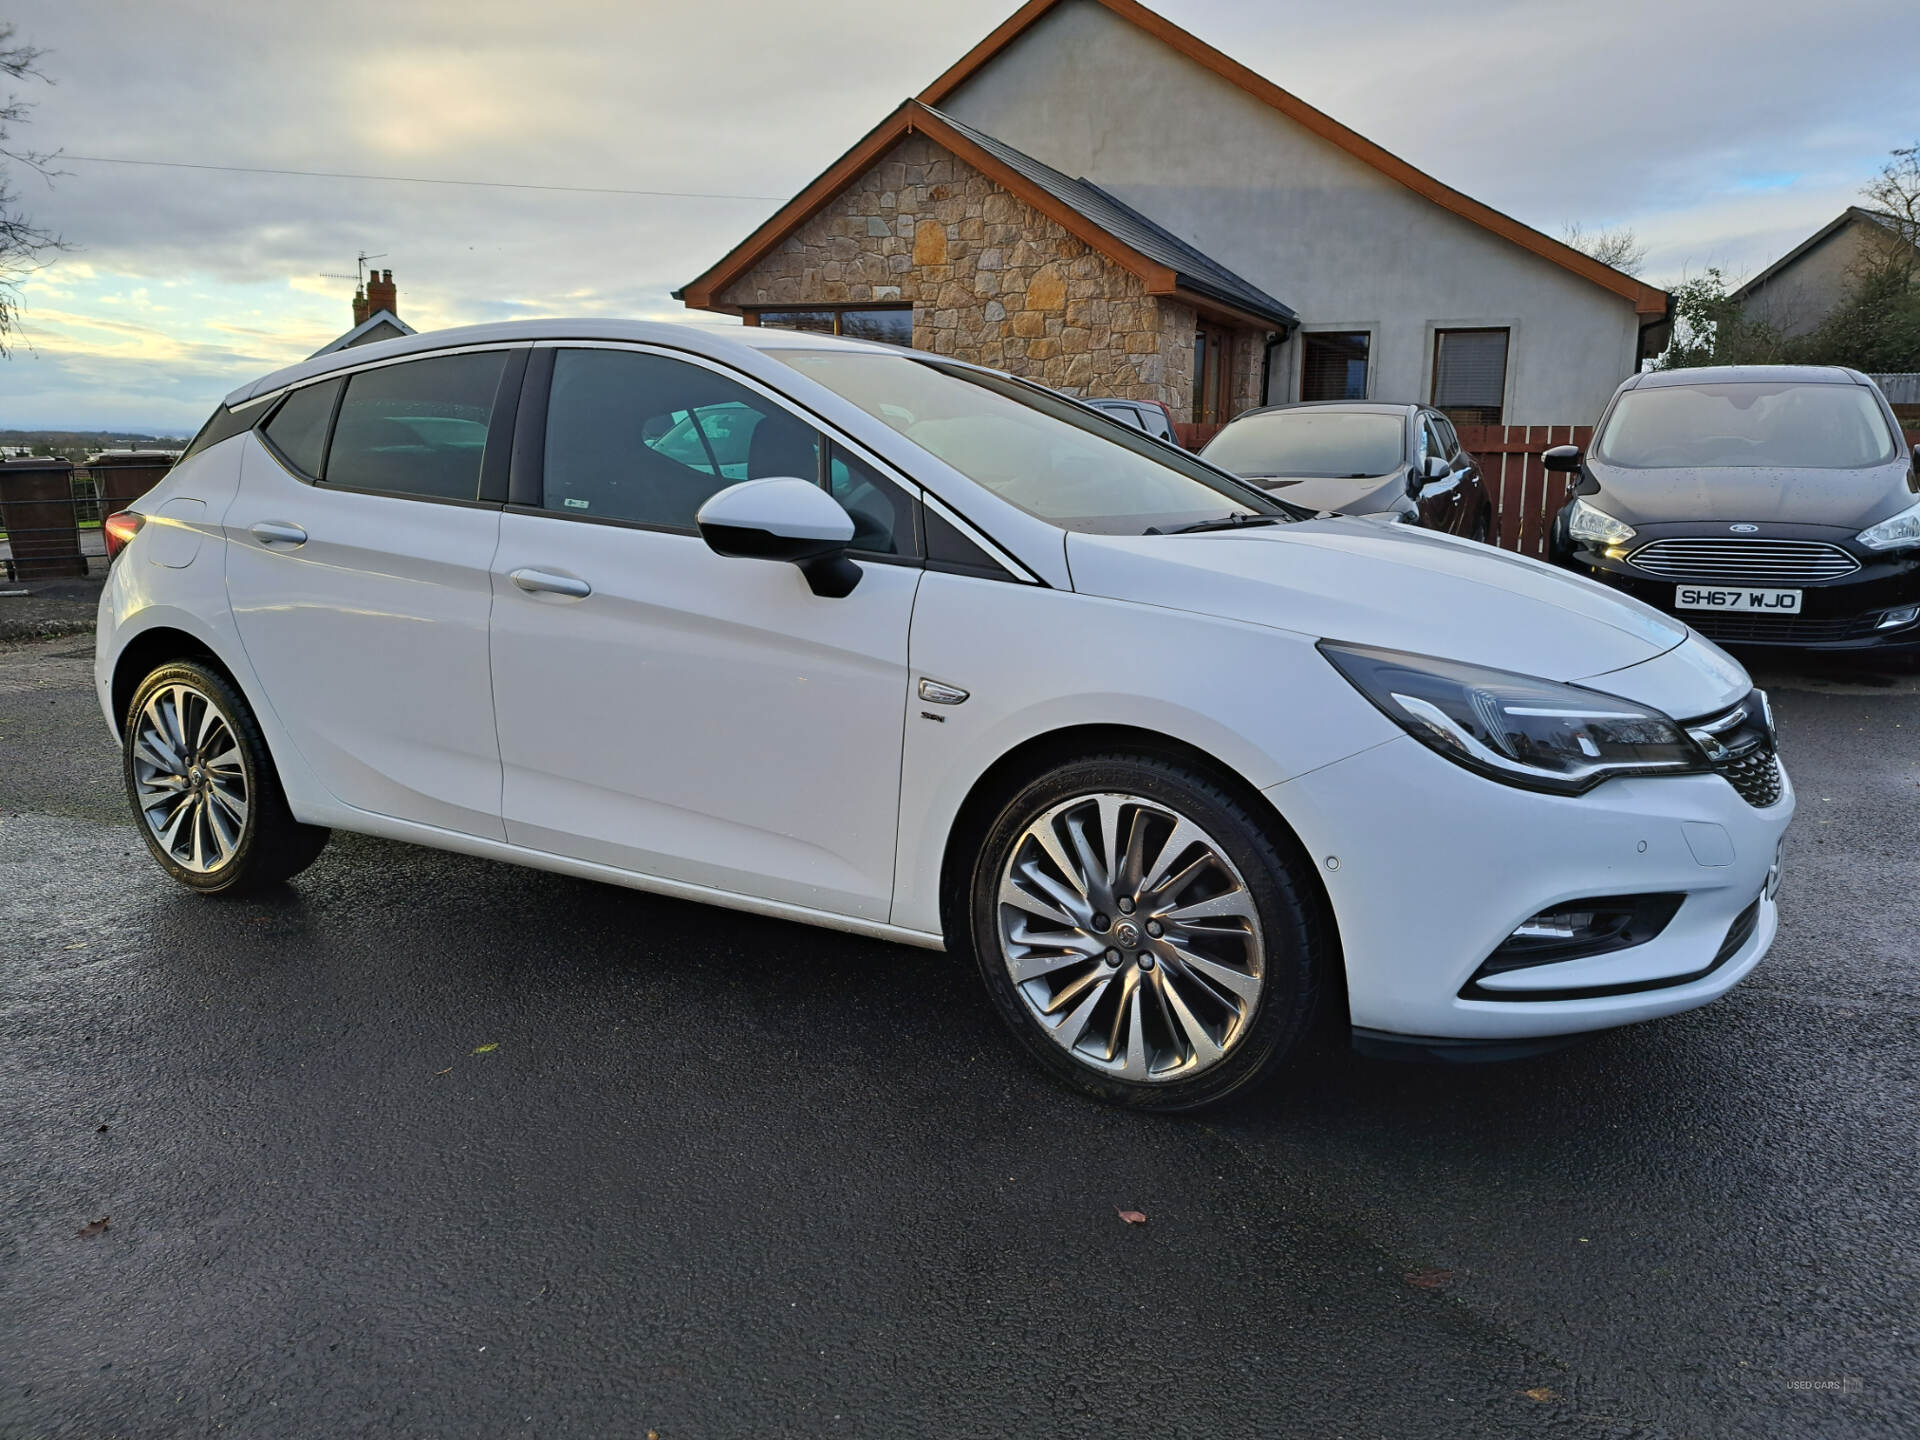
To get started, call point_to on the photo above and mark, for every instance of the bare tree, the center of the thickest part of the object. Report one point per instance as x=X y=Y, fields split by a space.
x=24 y=246
x=1619 y=248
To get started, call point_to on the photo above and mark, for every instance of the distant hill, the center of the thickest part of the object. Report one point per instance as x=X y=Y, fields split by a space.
x=78 y=444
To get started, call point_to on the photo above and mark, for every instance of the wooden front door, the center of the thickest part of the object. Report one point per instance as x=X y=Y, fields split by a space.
x=1212 y=374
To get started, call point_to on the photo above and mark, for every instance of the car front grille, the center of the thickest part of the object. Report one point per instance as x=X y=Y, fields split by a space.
x=1755 y=776
x=1739 y=745
x=1743 y=562
x=1742 y=628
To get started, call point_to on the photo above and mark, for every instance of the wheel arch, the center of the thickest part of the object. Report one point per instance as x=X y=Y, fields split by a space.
x=1038 y=753
x=145 y=652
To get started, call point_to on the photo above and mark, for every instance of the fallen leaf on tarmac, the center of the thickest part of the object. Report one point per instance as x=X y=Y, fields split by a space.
x=1541 y=1393
x=81 y=946
x=87 y=1232
x=1430 y=1279
x=1132 y=1217
x=447 y=1071
x=101 y=1130
x=484 y=1049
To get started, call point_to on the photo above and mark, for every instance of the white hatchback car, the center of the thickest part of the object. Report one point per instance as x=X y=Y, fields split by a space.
x=866 y=638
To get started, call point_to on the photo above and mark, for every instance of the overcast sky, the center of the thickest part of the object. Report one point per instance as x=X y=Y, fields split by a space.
x=1723 y=133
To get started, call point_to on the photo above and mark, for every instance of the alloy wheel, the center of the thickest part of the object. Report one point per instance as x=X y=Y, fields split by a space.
x=190 y=778
x=1131 y=937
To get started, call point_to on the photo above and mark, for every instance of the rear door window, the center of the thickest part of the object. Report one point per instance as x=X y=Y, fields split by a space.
x=417 y=428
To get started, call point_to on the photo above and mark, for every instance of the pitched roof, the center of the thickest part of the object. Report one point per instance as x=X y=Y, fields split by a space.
x=364 y=332
x=1647 y=301
x=1167 y=264
x=1192 y=270
x=1892 y=224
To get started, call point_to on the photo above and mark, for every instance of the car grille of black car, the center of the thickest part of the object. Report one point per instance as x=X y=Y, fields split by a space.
x=1743 y=562
x=1739 y=745
x=1739 y=628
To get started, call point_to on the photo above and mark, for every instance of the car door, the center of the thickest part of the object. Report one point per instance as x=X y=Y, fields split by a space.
x=673 y=712
x=358 y=568
x=1438 y=500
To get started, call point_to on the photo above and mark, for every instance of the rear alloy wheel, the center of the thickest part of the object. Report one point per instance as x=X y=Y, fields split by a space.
x=203 y=787
x=1143 y=934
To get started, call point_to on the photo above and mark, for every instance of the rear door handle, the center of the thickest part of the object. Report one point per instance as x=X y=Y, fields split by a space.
x=274 y=532
x=545 y=582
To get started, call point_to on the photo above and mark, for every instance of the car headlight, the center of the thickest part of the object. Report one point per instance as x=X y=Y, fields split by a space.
x=1896 y=532
x=1590 y=522
x=1524 y=731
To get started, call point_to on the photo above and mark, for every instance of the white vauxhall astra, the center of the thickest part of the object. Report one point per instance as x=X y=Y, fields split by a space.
x=871 y=639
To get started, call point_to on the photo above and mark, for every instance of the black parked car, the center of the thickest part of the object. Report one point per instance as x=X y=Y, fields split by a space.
x=1360 y=457
x=1763 y=504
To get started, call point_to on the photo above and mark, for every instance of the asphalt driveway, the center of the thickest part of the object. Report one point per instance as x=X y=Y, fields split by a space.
x=429 y=1145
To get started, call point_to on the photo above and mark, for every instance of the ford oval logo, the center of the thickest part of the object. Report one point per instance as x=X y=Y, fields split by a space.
x=1744 y=529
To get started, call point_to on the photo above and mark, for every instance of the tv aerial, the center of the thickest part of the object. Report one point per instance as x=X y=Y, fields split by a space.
x=359 y=277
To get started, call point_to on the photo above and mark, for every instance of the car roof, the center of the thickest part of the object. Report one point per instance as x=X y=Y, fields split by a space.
x=1359 y=407
x=710 y=340
x=1749 y=374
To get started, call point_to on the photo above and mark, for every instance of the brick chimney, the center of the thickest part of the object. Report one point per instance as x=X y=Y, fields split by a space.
x=380 y=293
x=359 y=306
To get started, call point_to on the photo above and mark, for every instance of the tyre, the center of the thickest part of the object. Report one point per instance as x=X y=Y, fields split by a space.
x=203 y=788
x=1483 y=528
x=1143 y=934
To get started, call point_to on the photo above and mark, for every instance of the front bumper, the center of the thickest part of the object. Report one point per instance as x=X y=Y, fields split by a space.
x=1847 y=614
x=1430 y=867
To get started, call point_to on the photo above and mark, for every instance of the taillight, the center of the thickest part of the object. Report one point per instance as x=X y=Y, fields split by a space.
x=119 y=528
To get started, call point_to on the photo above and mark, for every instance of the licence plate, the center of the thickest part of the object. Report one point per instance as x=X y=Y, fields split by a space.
x=1740 y=597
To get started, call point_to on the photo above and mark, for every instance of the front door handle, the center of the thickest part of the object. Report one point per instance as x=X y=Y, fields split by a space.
x=545 y=582
x=275 y=532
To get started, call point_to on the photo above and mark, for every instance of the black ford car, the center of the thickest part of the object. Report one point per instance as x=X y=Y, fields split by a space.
x=1762 y=504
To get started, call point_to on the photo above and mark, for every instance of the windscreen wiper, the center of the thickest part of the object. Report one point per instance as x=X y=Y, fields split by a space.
x=1225 y=522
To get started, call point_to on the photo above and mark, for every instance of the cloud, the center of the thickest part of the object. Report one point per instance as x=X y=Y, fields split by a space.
x=1722 y=132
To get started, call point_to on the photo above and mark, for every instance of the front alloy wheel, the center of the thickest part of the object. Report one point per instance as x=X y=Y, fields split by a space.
x=1131 y=937
x=1145 y=931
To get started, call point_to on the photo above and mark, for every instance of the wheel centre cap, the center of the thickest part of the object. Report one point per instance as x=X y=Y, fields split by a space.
x=1128 y=934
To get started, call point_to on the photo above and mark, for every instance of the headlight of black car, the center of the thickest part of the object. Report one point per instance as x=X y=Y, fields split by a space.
x=1518 y=729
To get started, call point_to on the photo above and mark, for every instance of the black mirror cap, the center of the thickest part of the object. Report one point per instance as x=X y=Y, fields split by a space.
x=829 y=572
x=1414 y=480
x=1564 y=458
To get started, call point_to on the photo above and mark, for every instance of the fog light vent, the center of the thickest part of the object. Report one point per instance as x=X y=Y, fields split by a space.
x=1894 y=619
x=1580 y=928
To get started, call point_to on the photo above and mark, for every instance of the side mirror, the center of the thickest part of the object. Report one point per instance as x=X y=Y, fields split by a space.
x=1564 y=458
x=784 y=519
x=1422 y=472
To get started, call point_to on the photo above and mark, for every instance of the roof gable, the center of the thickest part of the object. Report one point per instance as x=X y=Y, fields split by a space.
x=367 y=332
x=1646 y=299
x=1165 y=263
x=1891 y=224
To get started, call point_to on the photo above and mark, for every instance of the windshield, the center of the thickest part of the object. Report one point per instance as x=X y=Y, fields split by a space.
x=1039 y=451
x=1311 y=444
x=1747 y=423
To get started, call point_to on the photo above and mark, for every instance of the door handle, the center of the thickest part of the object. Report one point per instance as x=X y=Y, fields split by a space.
x=545 y=582
x=275 y=532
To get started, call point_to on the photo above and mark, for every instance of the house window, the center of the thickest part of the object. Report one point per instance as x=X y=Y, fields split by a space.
x=890 y=324
x=1470 y=375
x=1333 y=365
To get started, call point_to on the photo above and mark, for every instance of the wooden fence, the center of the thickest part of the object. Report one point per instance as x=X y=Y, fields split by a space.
x=1526 y=495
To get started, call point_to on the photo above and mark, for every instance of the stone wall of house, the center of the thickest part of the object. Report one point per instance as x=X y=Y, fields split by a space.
x=991 y=280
